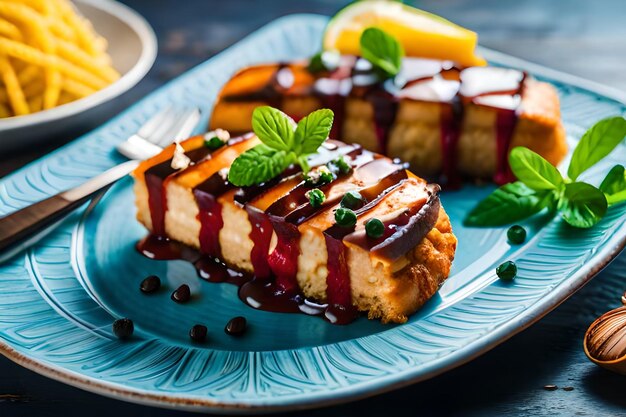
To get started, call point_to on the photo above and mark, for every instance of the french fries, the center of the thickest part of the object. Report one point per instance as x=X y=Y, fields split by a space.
x=50 y=55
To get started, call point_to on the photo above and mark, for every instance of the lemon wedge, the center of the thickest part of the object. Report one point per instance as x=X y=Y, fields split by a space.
x=421 y=33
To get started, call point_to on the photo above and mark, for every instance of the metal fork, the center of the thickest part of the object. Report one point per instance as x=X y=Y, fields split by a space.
x=28 y=225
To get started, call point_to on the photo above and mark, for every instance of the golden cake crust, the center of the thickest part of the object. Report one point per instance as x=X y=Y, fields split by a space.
x=428 y=267
x=539 y=126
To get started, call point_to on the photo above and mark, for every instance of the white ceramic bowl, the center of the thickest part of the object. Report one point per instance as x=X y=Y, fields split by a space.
x=133 y=49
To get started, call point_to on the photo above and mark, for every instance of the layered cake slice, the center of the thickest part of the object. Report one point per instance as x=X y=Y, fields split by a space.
x=387 y=261
x=444 y=120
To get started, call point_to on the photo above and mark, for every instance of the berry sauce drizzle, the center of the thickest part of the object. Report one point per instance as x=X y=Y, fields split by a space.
x=156 y=179
x=258 y=293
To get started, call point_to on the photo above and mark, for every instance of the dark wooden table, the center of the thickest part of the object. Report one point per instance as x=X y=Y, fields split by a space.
x=577 y=36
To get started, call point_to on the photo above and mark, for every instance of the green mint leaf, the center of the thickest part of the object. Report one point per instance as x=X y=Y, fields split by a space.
x=549 y=200
x=507 y=204
x=284 y=143
x=273 y=127
x=582 y=205
x=257 y=165
x=616 y=198
x=615 y=181
x=312 y=131
x=534 y=171
x=596 y=143
x=382 y=50
x=304 y=163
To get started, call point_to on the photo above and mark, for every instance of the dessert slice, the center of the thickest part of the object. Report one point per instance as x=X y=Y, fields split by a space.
x=387 y=267
x=442 y=119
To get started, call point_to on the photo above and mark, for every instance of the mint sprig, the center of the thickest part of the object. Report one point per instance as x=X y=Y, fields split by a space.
x=273 y=127
x=284 y=142
x=614 y=185
x=312 y=131
x=509 y=203
x=582 y=205
x=382 y=50
x=595 y=144
x=535 y=172
x=541 y=186
x=258 y=165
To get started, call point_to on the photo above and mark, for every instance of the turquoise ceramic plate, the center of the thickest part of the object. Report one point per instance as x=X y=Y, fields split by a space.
x=58 y=300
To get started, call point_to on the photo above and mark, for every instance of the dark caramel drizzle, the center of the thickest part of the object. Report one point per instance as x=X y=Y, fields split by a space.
x=404 y=231
x=198 y=155
x=272 y=92
x=246 y=195
x=294 y=207
x=373 y=195
x=164 y=169
x=216 y=185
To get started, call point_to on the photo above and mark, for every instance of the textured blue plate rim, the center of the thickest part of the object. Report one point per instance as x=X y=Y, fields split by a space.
x=610 y=250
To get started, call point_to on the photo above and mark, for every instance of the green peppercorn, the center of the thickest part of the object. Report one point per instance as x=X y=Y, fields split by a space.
x=507 y=271
x=316 y=64
x=316 y=197
x=214 y=143
x=352 y=200
x=215 y=139
x=345 y=217
x=325 y=175
x=340 y=165
x=516 y=234
x=374 y=228
x=324 y=61
x=319 y=176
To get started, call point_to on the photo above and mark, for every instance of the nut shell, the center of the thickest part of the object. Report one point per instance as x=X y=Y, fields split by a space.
x=605 y=340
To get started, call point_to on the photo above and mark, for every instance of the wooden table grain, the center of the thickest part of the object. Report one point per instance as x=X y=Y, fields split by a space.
x=586 y=38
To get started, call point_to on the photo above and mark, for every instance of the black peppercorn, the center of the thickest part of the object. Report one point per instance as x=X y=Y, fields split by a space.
x=236 y=326
x=150 y=284
x=198 y=333
x=182 y=294
x=123 y=328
